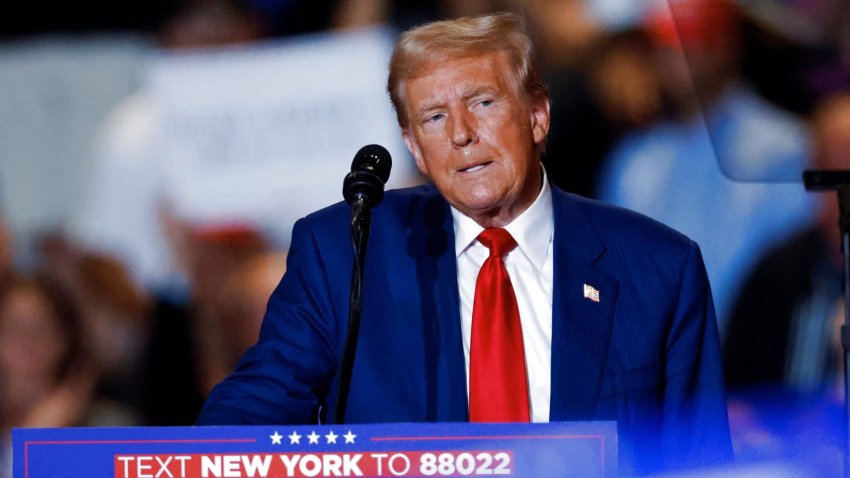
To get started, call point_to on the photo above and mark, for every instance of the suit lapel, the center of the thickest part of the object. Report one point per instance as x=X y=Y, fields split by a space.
x=429 y=280
x=581 y=326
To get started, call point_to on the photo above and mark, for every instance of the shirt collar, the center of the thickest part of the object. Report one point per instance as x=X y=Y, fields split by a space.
x=532 y=230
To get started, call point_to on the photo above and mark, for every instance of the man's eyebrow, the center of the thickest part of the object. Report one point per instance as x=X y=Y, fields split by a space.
x=428 y=107
x=477 y=91
x=481 y=90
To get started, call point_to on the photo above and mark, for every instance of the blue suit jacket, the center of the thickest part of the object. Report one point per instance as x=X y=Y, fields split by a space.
x=647 y=354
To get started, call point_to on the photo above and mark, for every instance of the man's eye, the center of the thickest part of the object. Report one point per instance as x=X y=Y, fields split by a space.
x=486 y=102
x=434 y=118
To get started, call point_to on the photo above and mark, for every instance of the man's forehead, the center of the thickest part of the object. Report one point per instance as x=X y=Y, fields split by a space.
x=469 y=72
x=496 y=59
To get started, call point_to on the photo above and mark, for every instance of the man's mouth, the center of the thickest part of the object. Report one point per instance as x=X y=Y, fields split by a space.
x=475 y=168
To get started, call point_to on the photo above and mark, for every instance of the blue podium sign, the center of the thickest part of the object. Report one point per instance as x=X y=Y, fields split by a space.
x=574 y=449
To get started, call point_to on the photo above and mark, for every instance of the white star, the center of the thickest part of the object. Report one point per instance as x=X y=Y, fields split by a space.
x=314 y=438
x=294 y=438
x=331 y=437
x=276 y=438
x=349 y=437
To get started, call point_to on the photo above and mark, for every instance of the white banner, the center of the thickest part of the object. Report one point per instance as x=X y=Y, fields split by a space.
x=265 y=135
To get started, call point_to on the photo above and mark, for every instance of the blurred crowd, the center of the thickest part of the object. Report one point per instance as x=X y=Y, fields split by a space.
x=699 y=113
x=82 y=345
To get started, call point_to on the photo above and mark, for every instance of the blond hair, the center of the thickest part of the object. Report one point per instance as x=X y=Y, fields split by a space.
x=464 y=37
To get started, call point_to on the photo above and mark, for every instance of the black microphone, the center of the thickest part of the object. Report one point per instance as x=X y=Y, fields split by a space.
x=370 y=170
x=363 y=188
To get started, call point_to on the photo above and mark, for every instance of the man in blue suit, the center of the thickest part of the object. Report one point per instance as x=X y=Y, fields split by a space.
x=616 y=315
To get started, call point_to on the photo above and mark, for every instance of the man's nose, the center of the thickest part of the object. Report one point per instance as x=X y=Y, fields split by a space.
x=463 y=128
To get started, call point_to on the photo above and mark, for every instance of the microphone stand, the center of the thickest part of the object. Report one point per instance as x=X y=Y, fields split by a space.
x=839 y=181
x=361 y=219
x=362 y=188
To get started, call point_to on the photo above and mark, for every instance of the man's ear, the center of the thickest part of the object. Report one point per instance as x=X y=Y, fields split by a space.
x=413 y=147
x=540 y=119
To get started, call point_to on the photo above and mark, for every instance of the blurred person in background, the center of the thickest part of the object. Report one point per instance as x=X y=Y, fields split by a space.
x=564 y=32
x=789 y=299
x=783 y=357
x=46 y=376
x=218 y=255
x=247 y=291
x=114 y=312
x=626 y=86
x=231 y=270
x=116 y=321
x=612 y=90
x=686 y=169
x=57 y=257
x=798 y=51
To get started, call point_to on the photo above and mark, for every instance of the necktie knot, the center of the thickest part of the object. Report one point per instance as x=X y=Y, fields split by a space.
x=498 y=240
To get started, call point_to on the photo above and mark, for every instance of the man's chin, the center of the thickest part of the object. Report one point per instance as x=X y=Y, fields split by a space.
x=486 y=213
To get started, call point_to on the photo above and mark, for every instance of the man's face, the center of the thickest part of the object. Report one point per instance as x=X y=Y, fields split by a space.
x=475 y=136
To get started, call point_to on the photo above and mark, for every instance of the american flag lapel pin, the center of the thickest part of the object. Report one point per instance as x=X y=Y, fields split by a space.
x=591 y=293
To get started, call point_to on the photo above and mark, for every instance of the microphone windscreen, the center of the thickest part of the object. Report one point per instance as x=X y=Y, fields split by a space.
x=374 y=158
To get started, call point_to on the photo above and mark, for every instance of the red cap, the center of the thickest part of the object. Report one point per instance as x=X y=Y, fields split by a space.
x=700 y=23
x=231 y=234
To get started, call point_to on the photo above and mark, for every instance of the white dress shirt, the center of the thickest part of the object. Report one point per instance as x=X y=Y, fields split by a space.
x=530 y=268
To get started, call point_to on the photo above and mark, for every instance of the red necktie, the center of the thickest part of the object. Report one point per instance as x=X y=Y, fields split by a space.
x=498 y=386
